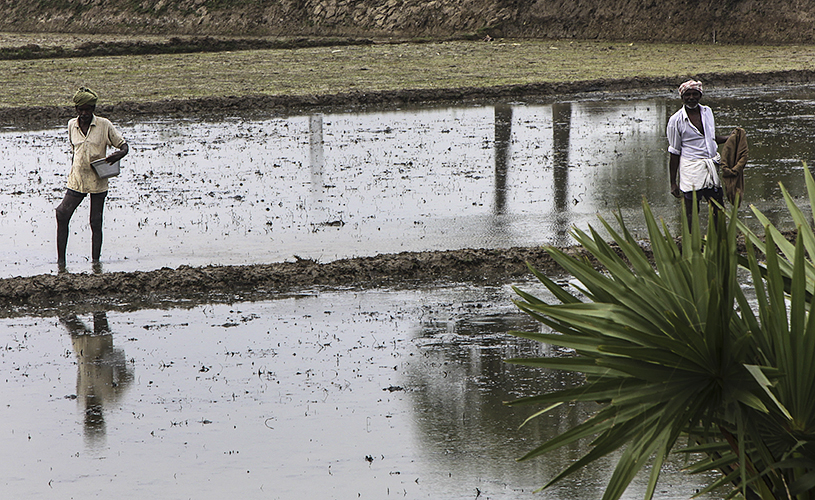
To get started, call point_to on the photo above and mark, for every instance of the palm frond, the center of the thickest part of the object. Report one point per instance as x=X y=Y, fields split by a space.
x=673 y=347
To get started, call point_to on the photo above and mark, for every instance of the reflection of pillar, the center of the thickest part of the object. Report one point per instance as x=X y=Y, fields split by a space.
x=561 y=125
x=316 y=163
x=315 y=148
x=102 y=371
x=503 y=138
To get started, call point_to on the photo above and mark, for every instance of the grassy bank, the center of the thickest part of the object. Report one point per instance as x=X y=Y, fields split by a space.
x=374 y=68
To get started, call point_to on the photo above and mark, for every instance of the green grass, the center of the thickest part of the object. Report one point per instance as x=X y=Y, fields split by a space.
x=370 y=68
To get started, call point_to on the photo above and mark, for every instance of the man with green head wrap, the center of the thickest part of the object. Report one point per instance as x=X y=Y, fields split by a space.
x=85 y=97
x=90 y=136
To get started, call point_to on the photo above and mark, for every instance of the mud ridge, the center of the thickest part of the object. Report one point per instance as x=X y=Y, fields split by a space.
x=194 y=285
x=174 y=45
x=259 y=280
x=20 y=116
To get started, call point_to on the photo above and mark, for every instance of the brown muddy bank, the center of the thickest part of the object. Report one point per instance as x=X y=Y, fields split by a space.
x=733 y=22
x=203 y=283
x=259 y=281
x=172 y=45
x=20 y=116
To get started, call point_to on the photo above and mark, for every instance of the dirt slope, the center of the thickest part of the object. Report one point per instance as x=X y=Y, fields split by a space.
x=728 y=21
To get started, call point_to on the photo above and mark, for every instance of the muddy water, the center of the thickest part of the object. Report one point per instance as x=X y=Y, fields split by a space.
x=328 y=185
x=329 y=394
x=346 y=394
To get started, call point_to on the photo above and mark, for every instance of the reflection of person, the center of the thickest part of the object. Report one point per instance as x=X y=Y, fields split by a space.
x=90 y=137
x=102 y=371
x=693 y=143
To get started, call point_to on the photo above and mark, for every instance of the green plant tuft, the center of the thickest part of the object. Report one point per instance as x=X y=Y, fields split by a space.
x=676 y=348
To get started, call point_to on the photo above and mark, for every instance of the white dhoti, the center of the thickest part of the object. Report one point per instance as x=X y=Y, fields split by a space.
x=698 y=173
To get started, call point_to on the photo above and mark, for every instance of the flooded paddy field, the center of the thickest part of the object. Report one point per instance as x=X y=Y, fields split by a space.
x=377 y=393
x=339 y=390
x=328 y=185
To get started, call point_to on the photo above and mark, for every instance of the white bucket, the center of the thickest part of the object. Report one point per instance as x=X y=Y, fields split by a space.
x=104 y=169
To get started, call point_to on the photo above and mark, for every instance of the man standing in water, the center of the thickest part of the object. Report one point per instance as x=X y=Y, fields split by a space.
x=692 y=142
x=90 y=137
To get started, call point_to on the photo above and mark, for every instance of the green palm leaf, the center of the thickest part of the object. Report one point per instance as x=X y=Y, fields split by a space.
x=673 y=347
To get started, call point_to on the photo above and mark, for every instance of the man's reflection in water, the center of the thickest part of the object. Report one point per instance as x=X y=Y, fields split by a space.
x=103 y=373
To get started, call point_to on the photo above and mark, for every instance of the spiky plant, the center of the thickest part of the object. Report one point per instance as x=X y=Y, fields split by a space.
x=674 y=353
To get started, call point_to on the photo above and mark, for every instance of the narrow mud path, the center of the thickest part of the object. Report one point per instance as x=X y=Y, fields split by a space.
x=24 y=116
x=188 y=283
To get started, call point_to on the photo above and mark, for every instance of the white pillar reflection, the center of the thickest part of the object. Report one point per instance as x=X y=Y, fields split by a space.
x=316 y=212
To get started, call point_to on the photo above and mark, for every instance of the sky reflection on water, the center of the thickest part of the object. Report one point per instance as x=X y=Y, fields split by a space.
x=330 y=185
x=338 y=394
x=344 y=394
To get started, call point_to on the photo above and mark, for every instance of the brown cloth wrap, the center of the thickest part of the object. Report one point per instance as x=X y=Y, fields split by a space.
x=734 y=159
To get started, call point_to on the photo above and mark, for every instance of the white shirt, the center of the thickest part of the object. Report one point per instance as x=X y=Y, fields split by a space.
x=697 y=153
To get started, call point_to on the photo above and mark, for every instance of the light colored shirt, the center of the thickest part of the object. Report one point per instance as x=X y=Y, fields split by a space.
x=94 y=146
x=698 y=153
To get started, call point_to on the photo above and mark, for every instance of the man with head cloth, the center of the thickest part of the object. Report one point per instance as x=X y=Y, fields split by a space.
x=90 y=136
x=693 y=145
x=85 y=97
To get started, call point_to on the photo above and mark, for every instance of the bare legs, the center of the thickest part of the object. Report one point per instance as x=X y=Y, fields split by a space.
x=97 y=206
x=65 y=211
x=715 y=194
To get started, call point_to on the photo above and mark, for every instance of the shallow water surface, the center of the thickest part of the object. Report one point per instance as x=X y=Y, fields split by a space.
x=331 y=394
x=346 y=394
x=261 y=188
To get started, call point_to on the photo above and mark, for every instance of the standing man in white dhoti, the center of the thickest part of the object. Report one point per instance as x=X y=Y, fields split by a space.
x=693 y=144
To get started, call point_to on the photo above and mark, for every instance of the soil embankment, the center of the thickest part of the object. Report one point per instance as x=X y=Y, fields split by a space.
x=688 y=21
x=296 y=103
x=188 y=283
x=231 y=283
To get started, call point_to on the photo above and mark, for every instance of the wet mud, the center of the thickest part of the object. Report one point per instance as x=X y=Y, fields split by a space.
x=17 y=116
x=173 y=45
x=219 y=283
x=195 y=285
